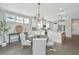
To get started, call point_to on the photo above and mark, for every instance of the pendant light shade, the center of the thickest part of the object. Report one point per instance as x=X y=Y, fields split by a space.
x=39 y=18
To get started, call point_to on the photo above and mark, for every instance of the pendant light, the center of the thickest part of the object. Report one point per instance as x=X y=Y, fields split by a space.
x=39 y=18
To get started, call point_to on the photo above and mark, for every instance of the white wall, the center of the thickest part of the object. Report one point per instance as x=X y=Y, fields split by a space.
x=34 y=22
x=12 y=30
x=68 y=27
x=75 y=27
x=1 y=13
x=12 y=27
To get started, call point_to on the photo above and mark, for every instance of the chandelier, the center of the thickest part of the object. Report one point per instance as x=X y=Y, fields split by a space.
x=39 y=18
x=61 y=14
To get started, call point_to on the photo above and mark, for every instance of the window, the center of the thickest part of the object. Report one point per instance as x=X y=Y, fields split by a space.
x=19 y=19
x=14 y=18
x=26 y=20
x=9 y=18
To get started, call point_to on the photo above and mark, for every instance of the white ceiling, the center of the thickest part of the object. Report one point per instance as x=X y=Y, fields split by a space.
x=49 y=10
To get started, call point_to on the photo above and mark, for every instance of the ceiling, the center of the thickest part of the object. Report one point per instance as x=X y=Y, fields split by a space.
x=47 y=10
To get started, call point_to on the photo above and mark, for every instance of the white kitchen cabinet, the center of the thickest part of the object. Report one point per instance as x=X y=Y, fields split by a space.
x=39 y=46
x=58 y=37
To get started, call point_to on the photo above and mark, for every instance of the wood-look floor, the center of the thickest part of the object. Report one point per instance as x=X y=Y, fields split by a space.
x=69 y=47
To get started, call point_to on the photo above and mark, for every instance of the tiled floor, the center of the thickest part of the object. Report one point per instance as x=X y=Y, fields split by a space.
x=69 y=47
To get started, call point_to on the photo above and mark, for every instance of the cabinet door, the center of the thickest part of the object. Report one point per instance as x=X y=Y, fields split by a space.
x=39 y=46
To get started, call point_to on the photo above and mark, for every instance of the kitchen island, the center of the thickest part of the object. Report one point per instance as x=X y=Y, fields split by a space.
x=39 y=45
